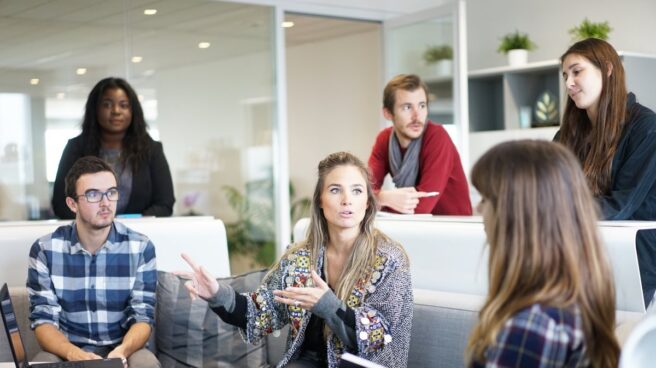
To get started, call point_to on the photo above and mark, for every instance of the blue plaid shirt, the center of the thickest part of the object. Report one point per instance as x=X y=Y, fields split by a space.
x=539 y=336
x=93 y=299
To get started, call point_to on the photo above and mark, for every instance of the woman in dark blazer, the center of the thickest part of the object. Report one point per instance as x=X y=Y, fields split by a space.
x=114 y=129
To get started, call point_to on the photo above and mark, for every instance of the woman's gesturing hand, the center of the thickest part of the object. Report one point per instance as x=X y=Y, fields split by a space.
x=200 y=282
x=303 y=297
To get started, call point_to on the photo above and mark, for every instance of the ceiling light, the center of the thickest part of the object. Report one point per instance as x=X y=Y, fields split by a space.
x=140 y=98
x=136 y=59
x=81 y=71
x=150 y=11
x=34 y=81
x=148 y=72
x=61 y=95
x=203 y=45
x=287 y=24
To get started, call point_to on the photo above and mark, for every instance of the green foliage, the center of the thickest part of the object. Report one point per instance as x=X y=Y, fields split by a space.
x=588 y=29
x=254 y=230
x=516 y=40
x=433 y=54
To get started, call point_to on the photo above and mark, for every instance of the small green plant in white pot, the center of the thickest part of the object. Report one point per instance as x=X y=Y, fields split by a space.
x=588 y=29
x=441 y=57
x=516 y=45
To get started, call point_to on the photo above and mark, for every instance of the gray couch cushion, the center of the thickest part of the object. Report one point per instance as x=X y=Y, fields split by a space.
x=189 y=334
x=440 y=328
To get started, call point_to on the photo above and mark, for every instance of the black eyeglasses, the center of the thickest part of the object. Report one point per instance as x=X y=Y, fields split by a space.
x=95 y=196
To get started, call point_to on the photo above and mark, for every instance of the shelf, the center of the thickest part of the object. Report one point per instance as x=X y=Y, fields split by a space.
x=497 y=95
x=529 y=67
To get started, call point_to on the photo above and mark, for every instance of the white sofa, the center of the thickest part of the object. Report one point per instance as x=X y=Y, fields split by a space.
x=202 y=237
x=448 y=261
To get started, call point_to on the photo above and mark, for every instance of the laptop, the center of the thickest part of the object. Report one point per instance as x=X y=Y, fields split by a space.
x=18 y=348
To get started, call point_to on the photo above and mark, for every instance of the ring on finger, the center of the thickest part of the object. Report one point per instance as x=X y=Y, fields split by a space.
x=297 y=303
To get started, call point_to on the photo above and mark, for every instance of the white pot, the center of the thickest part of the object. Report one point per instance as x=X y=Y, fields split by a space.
x=443 y=68
x=517 y=57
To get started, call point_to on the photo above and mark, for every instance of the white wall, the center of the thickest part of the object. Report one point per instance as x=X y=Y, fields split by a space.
x=208 y=129
x=548 y=22
x=334 y=99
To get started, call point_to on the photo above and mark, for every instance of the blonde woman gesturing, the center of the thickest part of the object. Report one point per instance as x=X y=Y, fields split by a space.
x=344 y=288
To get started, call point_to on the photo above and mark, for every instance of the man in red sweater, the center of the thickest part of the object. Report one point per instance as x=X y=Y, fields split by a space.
x=419 y=154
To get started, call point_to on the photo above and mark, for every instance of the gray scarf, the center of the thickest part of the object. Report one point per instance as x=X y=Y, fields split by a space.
x=405 y=168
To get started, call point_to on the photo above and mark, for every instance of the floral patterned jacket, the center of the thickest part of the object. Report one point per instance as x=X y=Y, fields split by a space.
x=382 y=302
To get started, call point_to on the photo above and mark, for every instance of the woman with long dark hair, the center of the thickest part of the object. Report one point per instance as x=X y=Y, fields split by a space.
x=551 y=297
x=114 y=129
x=344 y=288
x=614 y=138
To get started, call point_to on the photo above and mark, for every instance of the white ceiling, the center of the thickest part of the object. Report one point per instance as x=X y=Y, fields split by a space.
x=50 y=39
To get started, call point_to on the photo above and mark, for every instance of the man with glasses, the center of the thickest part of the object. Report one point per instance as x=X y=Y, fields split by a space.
x=92 y=283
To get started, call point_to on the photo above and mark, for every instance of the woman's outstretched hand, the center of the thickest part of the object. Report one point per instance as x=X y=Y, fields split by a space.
x=303 y=297
x=200 y=282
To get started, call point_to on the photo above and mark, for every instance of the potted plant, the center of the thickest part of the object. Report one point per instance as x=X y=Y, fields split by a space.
x=516 y=45
x=251 y=238
x=441 y=57
x=588 y=29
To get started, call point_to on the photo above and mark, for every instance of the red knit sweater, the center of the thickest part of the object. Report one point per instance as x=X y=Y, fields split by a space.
x=440 y=170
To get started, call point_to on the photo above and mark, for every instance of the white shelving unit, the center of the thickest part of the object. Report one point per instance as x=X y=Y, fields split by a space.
x=496 y=96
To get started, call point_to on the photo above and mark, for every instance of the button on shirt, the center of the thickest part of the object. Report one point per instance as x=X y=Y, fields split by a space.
x=93 y=299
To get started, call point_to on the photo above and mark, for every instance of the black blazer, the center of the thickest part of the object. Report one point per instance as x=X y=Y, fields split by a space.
x=152 y=187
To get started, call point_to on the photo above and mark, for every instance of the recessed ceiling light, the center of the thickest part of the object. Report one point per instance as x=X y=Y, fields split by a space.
x=287 y=24
x=150 y=11
x=203 y=45
x=81 y=71
x=34 y=81
x=61 y=95
x=141 y=98
x=136 y=59
x=149 y=72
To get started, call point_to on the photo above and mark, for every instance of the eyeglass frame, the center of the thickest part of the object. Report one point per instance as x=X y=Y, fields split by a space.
x=102 y=194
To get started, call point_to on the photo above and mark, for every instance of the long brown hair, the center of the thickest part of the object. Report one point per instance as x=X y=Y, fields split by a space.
x=544 y=245
x=365 y=246
x=595 y=143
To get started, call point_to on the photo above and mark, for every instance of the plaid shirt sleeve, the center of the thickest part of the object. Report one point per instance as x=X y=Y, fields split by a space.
x=141 y=306
x=536 y=337
x=44 y=306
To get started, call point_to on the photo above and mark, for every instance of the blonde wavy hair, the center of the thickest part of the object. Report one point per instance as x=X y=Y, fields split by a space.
x=544 y=245
x=364 y=250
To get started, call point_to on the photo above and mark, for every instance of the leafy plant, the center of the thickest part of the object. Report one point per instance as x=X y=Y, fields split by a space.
x=254 y=230
x=588 y=29
x=514 y=41
x=433 y=54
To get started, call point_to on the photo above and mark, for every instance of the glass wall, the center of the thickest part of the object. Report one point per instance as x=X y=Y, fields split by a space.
x=204 y=72
x=426 y=48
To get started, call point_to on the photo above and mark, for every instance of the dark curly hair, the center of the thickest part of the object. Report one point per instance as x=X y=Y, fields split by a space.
x=135 y=148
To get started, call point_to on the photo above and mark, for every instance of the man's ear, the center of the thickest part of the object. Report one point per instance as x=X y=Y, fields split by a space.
x=388 y=114
x=72 y=205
